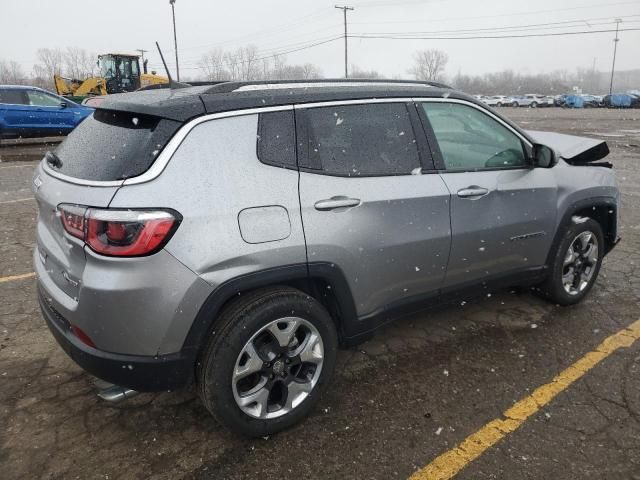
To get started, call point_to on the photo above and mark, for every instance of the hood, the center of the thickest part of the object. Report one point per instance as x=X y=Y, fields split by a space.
x=572 y=149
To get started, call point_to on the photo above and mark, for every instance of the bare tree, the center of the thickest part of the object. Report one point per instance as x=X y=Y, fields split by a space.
x=11 y=72
x=357 y=72
x=50 y=63
x=248 y=61
x=429 y=64
x=279 y=67
x=309 y=70
x=213 y=65
x=79 y=63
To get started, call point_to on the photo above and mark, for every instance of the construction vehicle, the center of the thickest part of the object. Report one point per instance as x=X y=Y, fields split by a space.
x=119 y=73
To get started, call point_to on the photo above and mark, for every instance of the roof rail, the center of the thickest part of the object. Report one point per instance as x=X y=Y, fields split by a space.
x=225 y=87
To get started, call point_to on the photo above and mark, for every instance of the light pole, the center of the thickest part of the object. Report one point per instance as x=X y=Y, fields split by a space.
x=175 y=37
x=615 y=49
x=344 y=10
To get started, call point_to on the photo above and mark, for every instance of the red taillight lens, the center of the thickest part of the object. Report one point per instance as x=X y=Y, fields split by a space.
x=73 y=219
x=120 y=233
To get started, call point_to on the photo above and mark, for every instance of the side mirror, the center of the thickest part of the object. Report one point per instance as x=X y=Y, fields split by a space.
x=543 y=156
x=64 y=104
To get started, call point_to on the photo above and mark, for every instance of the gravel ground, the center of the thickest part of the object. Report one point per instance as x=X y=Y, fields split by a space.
x=415 y=390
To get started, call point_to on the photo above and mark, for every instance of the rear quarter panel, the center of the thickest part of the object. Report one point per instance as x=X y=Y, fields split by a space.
x=213 y=176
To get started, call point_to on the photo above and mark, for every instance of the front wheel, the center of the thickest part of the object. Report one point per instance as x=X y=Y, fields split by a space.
x=534 y=105
x=499 y=104
x=515 y=104
x=268 y=362
x=575 y=265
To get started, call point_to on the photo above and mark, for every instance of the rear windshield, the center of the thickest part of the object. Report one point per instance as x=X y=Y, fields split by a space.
x=112 y=145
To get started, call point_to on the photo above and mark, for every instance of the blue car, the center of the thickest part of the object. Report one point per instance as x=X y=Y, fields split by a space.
x=34 y=112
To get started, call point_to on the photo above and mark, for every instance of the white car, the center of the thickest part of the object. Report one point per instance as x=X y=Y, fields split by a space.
x=533 y=100
x=498 y=101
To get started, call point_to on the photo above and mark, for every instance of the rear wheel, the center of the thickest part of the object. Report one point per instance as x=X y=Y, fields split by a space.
x=268 y=362
x=576 y=262
x=499 y=104
x=515 y=104
x=534 y=104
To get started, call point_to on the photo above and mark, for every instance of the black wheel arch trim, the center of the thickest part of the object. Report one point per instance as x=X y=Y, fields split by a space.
x=611 y=234
x=302 y=272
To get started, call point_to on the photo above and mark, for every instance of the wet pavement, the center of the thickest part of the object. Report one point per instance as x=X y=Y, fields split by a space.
x=414 y=391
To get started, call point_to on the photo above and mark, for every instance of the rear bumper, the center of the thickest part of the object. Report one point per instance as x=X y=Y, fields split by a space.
x=140 y=373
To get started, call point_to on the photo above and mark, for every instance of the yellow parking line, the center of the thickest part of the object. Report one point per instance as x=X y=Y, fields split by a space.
x=450 y=463
x=17 y=277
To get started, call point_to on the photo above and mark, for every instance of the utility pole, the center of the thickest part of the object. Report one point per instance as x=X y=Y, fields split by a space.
x=175 y=38
x=615 y=49
x=142 y=52
x=144 y=63
x=346 y=60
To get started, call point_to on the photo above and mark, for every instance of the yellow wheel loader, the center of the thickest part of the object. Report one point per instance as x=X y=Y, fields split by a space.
x=119 y=73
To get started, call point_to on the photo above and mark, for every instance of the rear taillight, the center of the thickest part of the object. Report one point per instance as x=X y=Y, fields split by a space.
x=119 y=233
x=72 y=217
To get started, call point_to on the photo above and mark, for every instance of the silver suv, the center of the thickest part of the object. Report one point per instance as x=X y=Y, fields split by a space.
x=233 y=236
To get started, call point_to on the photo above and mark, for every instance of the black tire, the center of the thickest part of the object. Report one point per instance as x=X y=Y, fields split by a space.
x=515 y=104
x=499 y=104
x=534 y=104
x=553 y=287
x=236 y=326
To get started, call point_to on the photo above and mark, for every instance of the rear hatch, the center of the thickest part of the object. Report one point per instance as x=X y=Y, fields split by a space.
x=87 y=169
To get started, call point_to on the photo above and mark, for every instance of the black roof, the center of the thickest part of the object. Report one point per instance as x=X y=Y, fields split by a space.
x=182 y=104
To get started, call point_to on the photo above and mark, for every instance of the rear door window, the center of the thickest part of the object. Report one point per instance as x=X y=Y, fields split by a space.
x=13 y=97
x=110 y=145
x=361 y=140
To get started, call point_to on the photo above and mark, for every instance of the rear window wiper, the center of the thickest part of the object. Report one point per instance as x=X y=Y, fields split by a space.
x=53 y=160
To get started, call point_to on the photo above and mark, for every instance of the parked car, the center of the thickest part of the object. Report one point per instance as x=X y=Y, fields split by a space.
x=531 y=100
x=498 y=101
x=233 y=236
x=591 y=101
x=622 y=100
x=34 y=112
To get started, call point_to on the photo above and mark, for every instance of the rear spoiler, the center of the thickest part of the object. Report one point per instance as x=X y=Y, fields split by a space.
x=572 y=149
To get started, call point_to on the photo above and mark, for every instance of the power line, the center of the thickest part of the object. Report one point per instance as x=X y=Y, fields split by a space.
x=283 y=50
x=278 y=29
x=480 y=37
x=276 y=54
x=498 y=15
x=533 y=26
x=282 y=46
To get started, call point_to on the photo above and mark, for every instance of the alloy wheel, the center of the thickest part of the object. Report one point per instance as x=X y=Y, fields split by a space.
x=580 y=263
x=278 y=368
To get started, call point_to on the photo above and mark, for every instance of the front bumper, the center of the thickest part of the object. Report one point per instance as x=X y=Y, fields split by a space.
x=140 y=373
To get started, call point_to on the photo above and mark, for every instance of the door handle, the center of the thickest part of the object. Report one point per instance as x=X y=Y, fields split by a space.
x=336 y=202
x=472 y=191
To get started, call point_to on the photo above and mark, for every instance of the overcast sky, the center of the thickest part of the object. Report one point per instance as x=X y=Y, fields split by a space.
x=126 y=25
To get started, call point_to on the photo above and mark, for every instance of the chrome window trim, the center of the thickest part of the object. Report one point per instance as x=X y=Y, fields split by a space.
x=336 y=103
x=165 y=156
